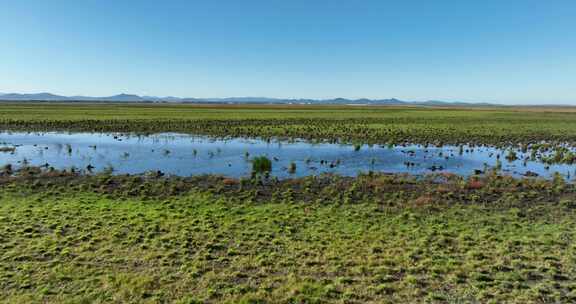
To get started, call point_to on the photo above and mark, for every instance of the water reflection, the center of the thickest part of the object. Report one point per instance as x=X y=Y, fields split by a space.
x=186 y=155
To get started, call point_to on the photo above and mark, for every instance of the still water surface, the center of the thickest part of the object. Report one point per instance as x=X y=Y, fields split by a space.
x=185 y=155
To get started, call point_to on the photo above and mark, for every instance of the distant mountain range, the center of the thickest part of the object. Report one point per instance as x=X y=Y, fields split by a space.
x=231 y=100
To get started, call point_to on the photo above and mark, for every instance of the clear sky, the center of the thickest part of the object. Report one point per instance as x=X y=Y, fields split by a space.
x=508 y=51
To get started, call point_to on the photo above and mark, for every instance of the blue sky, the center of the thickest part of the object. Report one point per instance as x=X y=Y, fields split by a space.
x=508 y=51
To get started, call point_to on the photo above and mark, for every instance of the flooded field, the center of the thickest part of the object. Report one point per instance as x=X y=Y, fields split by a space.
x=181 y=236
x=186 y=155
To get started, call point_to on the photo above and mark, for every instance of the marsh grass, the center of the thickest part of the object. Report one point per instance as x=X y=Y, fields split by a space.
x=261 y=165
x=366 y=125
x=292 y=168
x=68 y=238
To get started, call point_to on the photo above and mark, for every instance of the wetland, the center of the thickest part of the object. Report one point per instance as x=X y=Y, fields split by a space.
x=185 y=155
x=123 y=203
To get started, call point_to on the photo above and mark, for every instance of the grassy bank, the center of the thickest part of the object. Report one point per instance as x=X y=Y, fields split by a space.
x=102 y=239
x=332 y=123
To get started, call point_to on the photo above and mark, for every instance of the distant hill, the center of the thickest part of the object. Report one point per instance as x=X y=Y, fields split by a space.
x=37 y=96
x=48 y=97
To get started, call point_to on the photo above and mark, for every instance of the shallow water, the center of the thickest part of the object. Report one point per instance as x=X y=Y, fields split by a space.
x=186 y=155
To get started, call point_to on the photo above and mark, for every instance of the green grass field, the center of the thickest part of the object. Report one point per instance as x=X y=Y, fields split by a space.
x=333 y=123
x=70 y=238
x=385 y=240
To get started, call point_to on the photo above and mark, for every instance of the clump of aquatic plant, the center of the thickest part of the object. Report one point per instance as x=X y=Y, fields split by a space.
x=7 y=169
x=498 y=164
x=261 y=164
x=511 y=156
x=292 y=168
x=7 y=149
